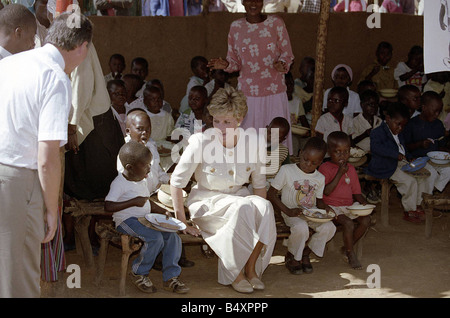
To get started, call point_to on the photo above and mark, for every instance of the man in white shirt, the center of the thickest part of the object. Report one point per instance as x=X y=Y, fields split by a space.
x=17 y=30
x=36 y=98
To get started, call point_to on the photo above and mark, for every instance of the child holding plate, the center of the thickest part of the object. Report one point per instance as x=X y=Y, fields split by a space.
x=342 y=189
x=128 y=199
x=301 y=185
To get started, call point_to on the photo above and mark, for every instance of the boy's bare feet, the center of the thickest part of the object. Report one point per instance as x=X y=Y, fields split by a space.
x=353 y=260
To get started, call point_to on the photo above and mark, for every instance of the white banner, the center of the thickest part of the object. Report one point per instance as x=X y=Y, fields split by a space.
x=436 y=35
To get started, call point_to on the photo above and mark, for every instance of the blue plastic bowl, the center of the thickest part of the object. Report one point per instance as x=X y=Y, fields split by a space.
x=419 y=164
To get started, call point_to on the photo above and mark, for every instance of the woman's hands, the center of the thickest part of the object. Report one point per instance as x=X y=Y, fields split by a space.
x=191 y=230
x=218 y=64
x=280 y=66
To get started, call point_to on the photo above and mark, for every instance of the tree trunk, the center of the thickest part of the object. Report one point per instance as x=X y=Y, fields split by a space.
x=321 y=45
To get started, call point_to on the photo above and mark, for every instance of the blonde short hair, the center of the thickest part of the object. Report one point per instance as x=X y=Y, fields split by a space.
x=228 y=102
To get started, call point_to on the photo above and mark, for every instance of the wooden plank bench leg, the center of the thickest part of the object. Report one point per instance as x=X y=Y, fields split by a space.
x=385 y=187
x=82 y=230
x=104 y=244
x=428 y=221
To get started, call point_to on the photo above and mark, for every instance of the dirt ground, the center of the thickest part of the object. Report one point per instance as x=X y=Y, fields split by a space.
x=410 y=266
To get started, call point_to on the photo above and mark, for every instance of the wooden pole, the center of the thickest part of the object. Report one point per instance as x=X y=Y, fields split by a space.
x=319 y=76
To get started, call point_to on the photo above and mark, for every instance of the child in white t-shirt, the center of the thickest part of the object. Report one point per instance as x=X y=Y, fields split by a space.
x=138 y=128
x=128 y=199
x=301 y=185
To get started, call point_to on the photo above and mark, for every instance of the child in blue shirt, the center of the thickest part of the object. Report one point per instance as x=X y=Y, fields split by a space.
x=422 y=134
x=389 y=154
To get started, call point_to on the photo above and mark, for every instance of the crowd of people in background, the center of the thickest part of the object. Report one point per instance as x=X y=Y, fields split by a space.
x=196 y=7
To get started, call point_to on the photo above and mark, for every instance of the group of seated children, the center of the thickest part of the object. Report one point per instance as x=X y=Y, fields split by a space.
x=322 y=178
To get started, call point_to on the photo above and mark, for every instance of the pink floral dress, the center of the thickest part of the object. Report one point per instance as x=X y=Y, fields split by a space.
x=252 y=50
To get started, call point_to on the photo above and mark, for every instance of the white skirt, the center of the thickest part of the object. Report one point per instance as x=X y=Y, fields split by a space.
x=232 y=224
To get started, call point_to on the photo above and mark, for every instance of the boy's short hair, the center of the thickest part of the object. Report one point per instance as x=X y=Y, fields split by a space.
x=152 y=89
x=201 y=89
x=132 y=152
x=308 y=60
x=65 y=36
x=384 y=45
x=403 y=90
x=336 y=136
x=362 y=86
x=397 y=109
x=317 y=144
x=415 y=50
x=117 y=56
x=16 y=15
x=134 y=111
x=281 y=122
x=196 y=60
x=429 y=96
x=113 y=82
x=140 y=60
x=154 y=82
x=369 y=94
x=339 y=90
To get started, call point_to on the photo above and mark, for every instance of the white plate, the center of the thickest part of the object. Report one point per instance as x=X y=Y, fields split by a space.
x=158 y=221
x=361 y=210
x=328 y=215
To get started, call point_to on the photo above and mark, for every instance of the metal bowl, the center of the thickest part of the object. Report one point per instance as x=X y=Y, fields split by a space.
x=439 y=157
x=361 y=210
x=311 y=215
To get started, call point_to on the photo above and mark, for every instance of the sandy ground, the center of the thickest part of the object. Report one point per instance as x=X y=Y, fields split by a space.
x=410 y=266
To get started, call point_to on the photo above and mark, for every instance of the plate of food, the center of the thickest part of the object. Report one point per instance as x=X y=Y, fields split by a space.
x=164 y=223
x=439 y=157
x=415 y=165
x=318 y=215
x=299 y=130
x=388 y=92
x=356 y=154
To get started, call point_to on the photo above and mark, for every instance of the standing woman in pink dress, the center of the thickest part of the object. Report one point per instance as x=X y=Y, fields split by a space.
x=260 y=49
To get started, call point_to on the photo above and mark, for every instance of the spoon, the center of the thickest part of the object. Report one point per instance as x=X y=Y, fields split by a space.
x=410 y=163
x=437 y=139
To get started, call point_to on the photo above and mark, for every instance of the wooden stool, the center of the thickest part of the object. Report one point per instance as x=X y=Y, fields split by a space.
x=385 y=189
x=429 y=202
x=82 y=212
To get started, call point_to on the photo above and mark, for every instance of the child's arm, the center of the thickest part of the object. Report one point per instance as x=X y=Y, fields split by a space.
x=419 y=144
x=363 y=136
x=303 y=121
x=111 y=206
x=359 y=198
x=272 y=196
x=329 y=188
x=322 y=205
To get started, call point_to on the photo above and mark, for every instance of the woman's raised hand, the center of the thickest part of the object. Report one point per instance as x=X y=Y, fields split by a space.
x=191 y=230
x=280 y=66
x=218 y=64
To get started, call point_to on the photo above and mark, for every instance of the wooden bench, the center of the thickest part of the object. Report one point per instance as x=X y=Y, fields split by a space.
x=130 y=245
x=386 y=185
x=83 y=211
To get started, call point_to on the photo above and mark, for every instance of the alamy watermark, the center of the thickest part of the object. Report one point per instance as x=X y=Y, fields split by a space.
x=374 y=19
